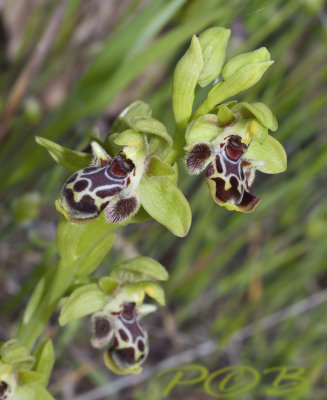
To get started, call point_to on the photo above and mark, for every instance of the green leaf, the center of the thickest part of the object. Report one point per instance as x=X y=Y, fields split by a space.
x=203 y=129
x=82 y=247
x=271 y=152
x=83 y=301
x=69 y=159
x=185 y=79
x=213 y=43
x=258 y=110
x=165 y=203
x=45 y=359
x=159 y=168
x=31 y=392
x=161 y=143
x=252 y=57
x=144 y=265
x=34 y=300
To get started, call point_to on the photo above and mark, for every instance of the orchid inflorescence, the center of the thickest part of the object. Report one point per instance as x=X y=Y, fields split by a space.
x=131 y=175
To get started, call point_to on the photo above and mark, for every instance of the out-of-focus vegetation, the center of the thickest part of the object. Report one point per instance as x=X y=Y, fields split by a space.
x=232 y=270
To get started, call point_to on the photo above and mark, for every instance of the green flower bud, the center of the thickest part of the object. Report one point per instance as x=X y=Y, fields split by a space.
x=186 y=76
x=12 y=352
x=252 y=57
x=240 y=80
x=213 y=43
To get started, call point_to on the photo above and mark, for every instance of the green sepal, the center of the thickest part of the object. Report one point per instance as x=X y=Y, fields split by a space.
x=152 y=289
x=225 y=115
x=99 y=153
x=125 y=119
x=213 y=42
x=242 y=79
x=12 y=352
x=114 y=368
x=26 y=377
x=108 y=285
x=130 y=138
x=258 y=110
x=165 y=203
x=144 y=265
x=83 y=301
x=83 y=246
x=247 y=129
x=252 y=57
x=271 y=152
x=185 y=79
x=69 y=159
x=161 y=142
x=45 y=359
x=157 y=167
x=203 y=129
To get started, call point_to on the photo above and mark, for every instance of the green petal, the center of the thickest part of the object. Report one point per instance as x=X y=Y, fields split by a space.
x=83 y=301
x=45 y=359
x=213 y=43
x=125 y=118
x=186 y=76
x=152 y=289
x=130 y=138
x=69 y=159
x=203 y=129
x=256 y=56
x=271 y=152
x=108 y=285
x=144 y=265
x=225 y=115
x=165 y=203
x=260 y=111
x=161 y=142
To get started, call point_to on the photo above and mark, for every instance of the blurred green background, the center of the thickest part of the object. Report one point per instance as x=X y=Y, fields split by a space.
x=243 y=289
